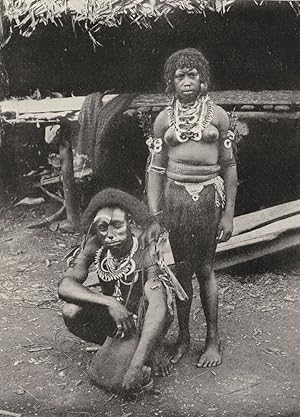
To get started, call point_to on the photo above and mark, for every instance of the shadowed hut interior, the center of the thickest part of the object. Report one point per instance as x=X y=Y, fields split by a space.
x=249 y=48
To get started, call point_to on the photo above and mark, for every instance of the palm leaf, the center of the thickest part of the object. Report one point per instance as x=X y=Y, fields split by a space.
x=26 y=15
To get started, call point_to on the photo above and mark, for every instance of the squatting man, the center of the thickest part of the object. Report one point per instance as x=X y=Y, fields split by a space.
x=127 y=275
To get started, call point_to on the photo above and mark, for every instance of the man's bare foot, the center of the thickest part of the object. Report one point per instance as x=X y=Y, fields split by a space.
x=181 y=347
x=160 y=363
x=212 y=356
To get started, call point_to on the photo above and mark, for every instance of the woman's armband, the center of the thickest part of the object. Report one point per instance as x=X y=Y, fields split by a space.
x=229 y=140
x=157 y=169
x=228 y=144
x=155 y=146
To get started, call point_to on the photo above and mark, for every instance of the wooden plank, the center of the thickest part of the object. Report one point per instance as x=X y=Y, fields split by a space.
x=236 y=97
x=239 y=255
x=265 y=233
x=47 y=105
x=247 y=222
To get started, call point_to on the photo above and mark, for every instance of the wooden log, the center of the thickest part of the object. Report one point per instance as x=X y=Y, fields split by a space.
x=282 y=107
x=67 y=170
x=247 y=222
x=229 y=97
x=51 y=195
x=48 y=220
x=266 y=115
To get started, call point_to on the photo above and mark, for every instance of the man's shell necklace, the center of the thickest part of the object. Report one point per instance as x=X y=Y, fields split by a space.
x=109 y=269
x=189 y=120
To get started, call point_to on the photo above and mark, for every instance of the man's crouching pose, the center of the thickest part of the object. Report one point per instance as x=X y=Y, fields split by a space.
x=126 y=275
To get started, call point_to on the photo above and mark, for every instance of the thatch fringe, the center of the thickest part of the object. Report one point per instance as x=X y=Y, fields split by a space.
x=92 y=15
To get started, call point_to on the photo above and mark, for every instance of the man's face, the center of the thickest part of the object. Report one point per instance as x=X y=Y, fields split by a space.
x=187 y=83
x=111 y=226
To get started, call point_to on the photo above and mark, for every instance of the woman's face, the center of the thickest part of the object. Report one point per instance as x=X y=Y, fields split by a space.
x=187 y=83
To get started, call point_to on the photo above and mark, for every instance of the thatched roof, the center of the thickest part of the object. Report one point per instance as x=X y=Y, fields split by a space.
x=26 y=15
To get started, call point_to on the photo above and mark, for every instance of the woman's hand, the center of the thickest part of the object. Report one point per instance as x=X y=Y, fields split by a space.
x=153 y=232
x=225 y=228
x=122 y=317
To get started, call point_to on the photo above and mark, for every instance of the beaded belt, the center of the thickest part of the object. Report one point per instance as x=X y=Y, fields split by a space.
x=194 y=189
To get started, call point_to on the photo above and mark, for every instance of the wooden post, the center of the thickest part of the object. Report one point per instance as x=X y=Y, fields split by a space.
x=67 y=170
x=4 y=90
x=1 y=26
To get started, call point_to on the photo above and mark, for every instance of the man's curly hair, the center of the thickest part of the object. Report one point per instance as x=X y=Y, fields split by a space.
x=112 y=198
x=185 y=58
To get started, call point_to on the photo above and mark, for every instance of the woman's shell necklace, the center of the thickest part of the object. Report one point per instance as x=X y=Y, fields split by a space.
x=189 y=120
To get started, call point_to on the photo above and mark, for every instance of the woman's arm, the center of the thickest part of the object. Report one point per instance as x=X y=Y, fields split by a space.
x=155 y=176
x=229 y=174
x=158 y=163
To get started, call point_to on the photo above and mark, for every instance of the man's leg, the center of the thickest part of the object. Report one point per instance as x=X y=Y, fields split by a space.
x=153 y=327
x=90 y=323
x=209 y=298
x=160 y=359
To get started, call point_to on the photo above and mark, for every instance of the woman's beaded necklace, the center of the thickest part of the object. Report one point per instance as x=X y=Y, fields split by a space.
x=111 y=269
x=189 y=120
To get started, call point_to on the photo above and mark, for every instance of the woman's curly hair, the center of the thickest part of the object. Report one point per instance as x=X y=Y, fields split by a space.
x=111 y=197
x=185 y=58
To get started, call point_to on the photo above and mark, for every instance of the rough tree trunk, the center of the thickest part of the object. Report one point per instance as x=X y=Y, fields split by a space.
x=67 y=170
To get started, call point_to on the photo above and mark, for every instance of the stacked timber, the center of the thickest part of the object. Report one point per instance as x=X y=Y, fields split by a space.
x=261 y=233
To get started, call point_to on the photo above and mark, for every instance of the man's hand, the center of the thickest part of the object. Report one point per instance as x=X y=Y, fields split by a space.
x=122 y=317
x=225 y=228
x=153 y=231
x=136 y=377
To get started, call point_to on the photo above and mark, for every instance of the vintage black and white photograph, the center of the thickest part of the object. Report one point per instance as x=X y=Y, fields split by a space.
x=150 y=208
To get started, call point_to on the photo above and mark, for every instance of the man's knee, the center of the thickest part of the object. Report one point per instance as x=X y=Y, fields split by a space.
x=156 y=294
x=70 y=312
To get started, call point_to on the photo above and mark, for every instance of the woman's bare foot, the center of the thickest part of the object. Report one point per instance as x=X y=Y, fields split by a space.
x=181 y=347
x=160 y=363
x=212 y=356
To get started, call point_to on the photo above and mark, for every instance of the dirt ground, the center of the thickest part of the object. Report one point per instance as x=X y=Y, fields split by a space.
x=43 y=367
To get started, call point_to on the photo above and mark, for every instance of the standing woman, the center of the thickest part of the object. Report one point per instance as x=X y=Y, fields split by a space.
x=191 y=188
